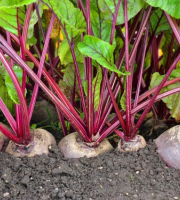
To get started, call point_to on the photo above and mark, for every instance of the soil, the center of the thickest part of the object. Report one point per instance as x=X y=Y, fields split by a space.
x=138 y=175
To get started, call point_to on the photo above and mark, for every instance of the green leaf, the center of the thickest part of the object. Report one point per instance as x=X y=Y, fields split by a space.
x=68 y=78
x=156 y=80
x=8 y=18
x=65 y=52
x=172 y=101
x=165 y=46
x=123 y=97
x=34 y=19
x=33 y=126
x=100 y=27
x=108 y=9
x=123 y=101
x=100 y=51
x=2 y=70
x=15 y=3
x=85 y=87
x=71 y=17
x=171 y=7
x=8 y=13
x=119 y=45
x=96 y=88
x=31 y=41
x=10 y=86
x=5 y=97
x=163 y=24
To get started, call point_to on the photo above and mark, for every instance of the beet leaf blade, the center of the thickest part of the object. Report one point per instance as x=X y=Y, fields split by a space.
x=171 y=7
x=172 y=101
x=100 y=51
x=108 y=8
x=10 y=85
x=69 y=16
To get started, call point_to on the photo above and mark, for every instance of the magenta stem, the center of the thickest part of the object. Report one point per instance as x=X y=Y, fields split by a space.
x=52 y=66
x=116 y=123
x=8 y=116
x=10 y=135
x=141 y=70
x=23 y=105
x=65 y=111
x=90 y=106
x=98 y=115
x=42 y=60
x=155 y=95
x=128 y=79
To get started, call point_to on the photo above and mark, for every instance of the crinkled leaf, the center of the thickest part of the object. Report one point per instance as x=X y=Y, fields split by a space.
x=10 y=86
x=100 y=51
x=171 y=7
x=108 y=9
x=172 y=101
x=96 y=88
x=71 y=17
x=65 y=52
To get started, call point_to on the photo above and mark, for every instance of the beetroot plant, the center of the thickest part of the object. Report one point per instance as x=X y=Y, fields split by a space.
x=23 y=140
x=109 y=62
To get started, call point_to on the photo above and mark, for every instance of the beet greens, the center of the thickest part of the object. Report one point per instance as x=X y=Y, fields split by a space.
x=107 y=58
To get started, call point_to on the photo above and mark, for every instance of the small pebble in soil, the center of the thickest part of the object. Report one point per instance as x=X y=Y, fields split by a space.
x=6 y=194
x=25 y=180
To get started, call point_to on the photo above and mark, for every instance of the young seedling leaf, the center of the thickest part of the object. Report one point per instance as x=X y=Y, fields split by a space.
x=71 y=17
x=108 y=9
x=10 y=86
x=100 y=51
x=171 y=7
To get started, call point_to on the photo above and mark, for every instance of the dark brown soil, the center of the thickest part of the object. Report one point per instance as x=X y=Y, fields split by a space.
x=139 y=175
x=112 y=176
